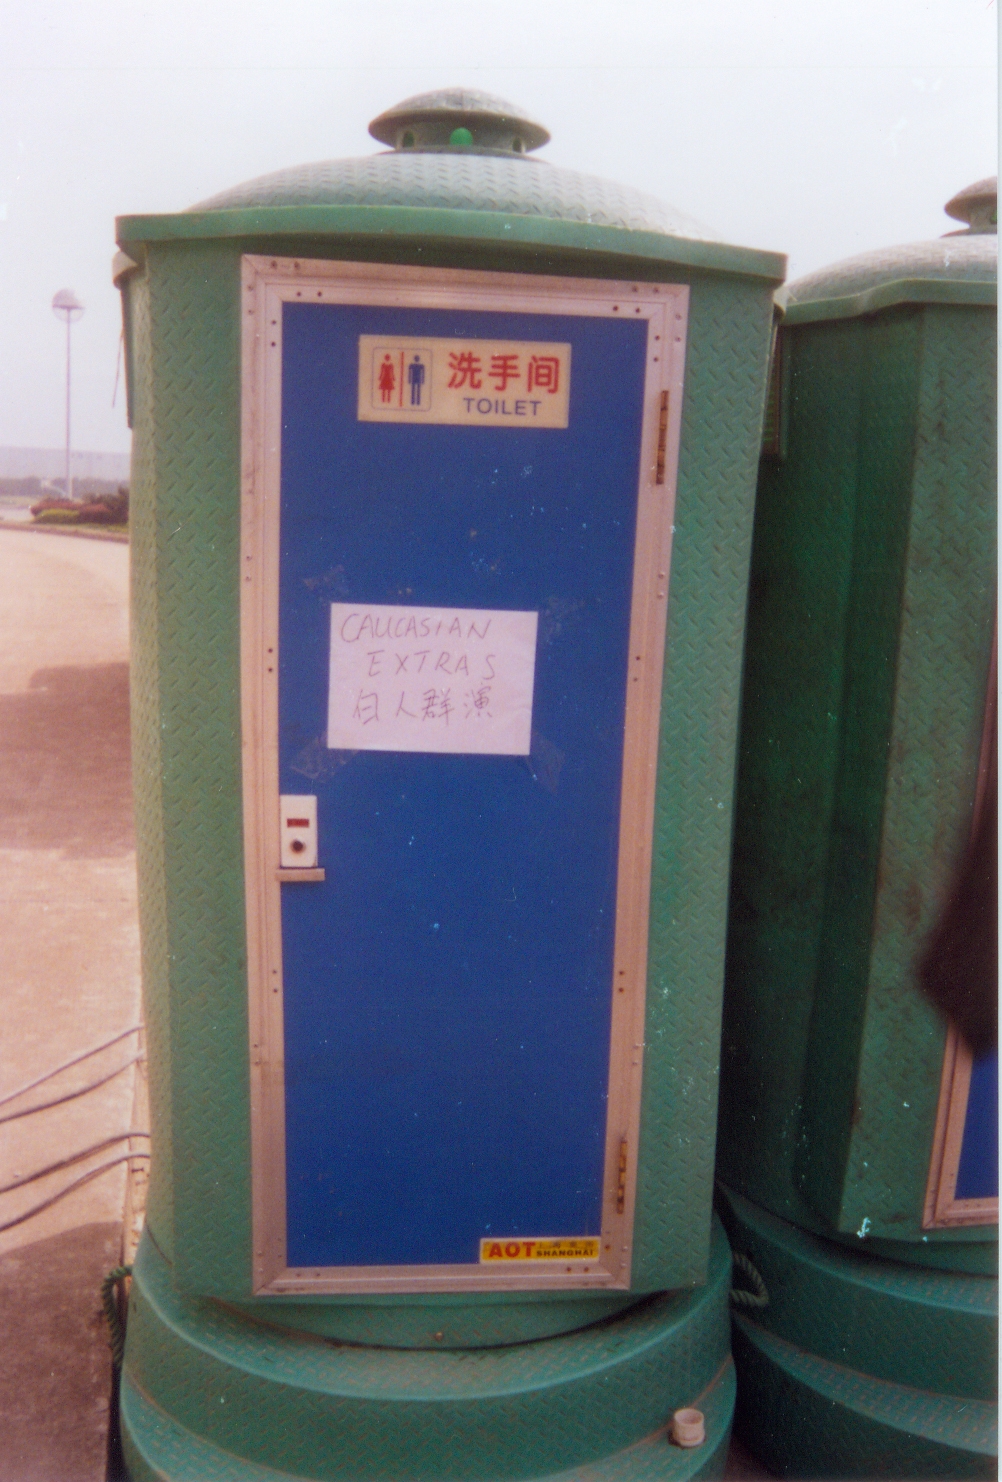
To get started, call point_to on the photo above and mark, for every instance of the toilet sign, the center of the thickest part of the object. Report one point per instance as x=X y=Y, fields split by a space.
x=456 y=564
x=487 y=383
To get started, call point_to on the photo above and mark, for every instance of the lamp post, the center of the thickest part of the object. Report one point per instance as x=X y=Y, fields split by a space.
x=66 y=306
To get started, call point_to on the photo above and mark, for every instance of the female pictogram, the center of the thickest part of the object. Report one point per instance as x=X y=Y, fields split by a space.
x=387 y=379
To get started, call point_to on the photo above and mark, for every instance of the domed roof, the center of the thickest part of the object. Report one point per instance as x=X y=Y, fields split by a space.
x=484 y=169
x=459 y=171
x=960 y=267
x=463 y=180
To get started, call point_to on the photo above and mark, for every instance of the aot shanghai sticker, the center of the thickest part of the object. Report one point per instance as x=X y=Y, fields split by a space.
x=568 y=1248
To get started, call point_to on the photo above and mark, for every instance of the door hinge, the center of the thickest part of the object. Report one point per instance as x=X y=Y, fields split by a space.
x=621 y=1186
x=662 y=439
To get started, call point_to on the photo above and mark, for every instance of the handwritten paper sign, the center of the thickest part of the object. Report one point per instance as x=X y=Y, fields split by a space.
x=490 y=383
x=431 y=679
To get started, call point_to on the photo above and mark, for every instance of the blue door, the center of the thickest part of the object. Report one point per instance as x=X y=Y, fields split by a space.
x=448 y=986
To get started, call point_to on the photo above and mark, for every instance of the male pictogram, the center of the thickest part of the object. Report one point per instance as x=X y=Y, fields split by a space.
x=415 y=380
x=387 y=379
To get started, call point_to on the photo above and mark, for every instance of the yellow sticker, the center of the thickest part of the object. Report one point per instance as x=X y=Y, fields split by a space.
x=568 y=1248
x=469 y=383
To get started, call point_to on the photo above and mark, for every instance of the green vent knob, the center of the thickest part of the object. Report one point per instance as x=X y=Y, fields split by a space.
x=459 y=118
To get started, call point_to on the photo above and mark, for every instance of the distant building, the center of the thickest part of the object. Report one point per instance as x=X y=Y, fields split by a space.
x=50 y=464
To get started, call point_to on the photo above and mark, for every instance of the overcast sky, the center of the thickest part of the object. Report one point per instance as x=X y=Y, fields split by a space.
x=819 y=128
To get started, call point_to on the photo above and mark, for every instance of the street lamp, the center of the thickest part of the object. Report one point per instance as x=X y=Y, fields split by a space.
x=66 y=305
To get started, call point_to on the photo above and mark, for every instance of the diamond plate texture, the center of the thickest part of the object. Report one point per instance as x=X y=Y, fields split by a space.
x=325 y=1410
x=788 y=753
x=463 y=182
x=185 y=558
x=721 y=433
x=187 y=718
x=887 y=388
x=157 y=1447
x=872 y=595
x=806 y=1417
x=443 y=1321
x=146 y=760
x=948 y=603
x=930 y=1330
x=961 y=259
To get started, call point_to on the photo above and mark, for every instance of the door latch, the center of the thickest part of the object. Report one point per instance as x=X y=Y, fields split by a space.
x=297 y=847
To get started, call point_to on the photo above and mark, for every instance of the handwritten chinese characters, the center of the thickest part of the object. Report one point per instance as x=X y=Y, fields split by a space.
x=494 y=383
x=442 y=679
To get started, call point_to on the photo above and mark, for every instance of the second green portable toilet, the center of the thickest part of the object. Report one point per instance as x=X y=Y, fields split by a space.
x=858 y=1137
x=442 y=488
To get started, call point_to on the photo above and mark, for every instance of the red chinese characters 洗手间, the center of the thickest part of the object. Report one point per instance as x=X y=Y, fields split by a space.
x=466 y=370
x=544 y=373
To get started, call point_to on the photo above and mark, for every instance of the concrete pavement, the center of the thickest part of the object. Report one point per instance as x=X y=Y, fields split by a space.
x=69 y=966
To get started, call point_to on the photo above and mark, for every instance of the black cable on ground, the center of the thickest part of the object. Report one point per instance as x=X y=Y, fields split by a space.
x=68 y=1064
x=84 y=1178
x=97 y=1147
x=28 y=1111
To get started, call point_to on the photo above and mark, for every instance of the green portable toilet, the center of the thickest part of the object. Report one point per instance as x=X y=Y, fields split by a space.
x=443 y=472
x=858 y=1134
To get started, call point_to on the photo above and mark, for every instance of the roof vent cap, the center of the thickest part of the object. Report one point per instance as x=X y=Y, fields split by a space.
x=978 y=205
x=460 y=119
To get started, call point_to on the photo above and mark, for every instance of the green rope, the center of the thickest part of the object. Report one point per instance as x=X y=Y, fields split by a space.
x=741 y=1296
x=109 y=1301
